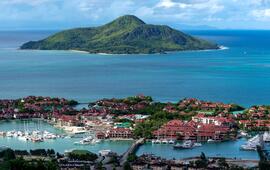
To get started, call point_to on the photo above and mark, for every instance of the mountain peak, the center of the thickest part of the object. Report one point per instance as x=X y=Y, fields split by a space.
x=128 y=20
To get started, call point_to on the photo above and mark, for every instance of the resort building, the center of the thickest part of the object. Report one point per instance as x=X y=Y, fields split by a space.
x=197 y=131
x=120 y=133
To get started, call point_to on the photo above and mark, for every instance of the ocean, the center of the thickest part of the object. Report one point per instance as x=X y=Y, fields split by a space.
x=239 y=74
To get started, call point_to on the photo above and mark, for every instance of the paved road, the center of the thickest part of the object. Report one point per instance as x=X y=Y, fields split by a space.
x=130 y=150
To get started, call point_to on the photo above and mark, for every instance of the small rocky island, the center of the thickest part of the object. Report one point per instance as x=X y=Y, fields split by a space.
x=125 y=35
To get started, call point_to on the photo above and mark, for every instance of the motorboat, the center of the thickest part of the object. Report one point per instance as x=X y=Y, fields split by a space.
x=186 y=145
x=85 y=141
x=266 y=137
x=251 y=144
x=164 y=141
x=158 y=141
x=196 y=144
x=211 y=141
x=171 y=141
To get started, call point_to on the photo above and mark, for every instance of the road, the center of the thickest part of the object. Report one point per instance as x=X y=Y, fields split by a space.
x=130 y=150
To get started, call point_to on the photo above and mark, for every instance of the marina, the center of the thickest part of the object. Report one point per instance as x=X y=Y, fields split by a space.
x=64 y=142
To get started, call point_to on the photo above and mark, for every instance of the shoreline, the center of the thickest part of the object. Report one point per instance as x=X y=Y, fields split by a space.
x=221 y=47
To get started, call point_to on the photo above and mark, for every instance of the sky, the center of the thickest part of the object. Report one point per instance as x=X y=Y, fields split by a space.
x=63 y=14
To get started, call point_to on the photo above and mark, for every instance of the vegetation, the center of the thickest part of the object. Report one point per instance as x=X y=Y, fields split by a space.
x=125 y=35
x=11 y=162
x=155 y=121
x=264 y=163
x=82 y=155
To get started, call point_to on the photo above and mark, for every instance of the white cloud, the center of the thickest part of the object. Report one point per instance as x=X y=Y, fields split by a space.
x=72 y=13
x=262 y=14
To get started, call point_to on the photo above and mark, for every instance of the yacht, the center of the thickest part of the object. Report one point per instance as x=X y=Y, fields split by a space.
x=164 y=141
x=171 y=141
x=158 y=141
x=37 y=139
x=85 y=141
x=266 y=137
x=186 y=145
x=196 y=144
x=211 y=141
x=251 y=144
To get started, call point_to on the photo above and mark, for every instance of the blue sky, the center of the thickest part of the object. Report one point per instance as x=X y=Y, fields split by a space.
x=61 y=14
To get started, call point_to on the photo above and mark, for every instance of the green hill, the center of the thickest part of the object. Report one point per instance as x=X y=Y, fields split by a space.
x=125 y=35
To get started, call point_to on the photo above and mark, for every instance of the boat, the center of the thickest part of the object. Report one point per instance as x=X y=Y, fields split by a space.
x=266 y=137
x=251 y=144
x=158 y=141
x=10 y=133
x=171 y=141
x=196 y=144
x=85 y=141
x=186 y=145
x=37 y=139
x=164 y=141
x=211 y=141
x=243 y=134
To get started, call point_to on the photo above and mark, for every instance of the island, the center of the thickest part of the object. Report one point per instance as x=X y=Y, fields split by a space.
x=125 y=35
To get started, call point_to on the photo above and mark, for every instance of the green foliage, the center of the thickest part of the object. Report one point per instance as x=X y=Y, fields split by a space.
x=154 y=122
x=127 y=166
x=7 y=154
x=222 y=163
x=21 y=164
x=151 y=109
x=82 y=155
x=125 y=35
x=131 y=157
x=202 y=162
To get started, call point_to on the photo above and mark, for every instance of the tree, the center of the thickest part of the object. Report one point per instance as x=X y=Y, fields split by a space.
x=222 y=163
x=127 y=166
x=8 y=154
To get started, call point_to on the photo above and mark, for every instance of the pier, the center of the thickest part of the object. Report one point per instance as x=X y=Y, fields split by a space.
x=131 y=150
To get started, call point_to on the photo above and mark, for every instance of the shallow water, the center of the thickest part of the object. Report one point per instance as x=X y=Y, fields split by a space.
x=59 y=145
x=230 y=149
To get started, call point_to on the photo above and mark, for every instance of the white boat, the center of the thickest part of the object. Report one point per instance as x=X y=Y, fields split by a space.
x=10 y=134
x=164 y=141
x=266 y=137
x=243 y=134
x=23 y=138
x=211 y=141
x=85 y=141
x=196 y=144
x=37 y=139
x=171 y=141
x=251 y=144
x=188 y=144
x=158 y=141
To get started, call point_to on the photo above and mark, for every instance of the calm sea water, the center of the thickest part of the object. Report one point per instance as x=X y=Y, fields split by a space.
x=240 y=74
x=224 y=149
x=59 y=145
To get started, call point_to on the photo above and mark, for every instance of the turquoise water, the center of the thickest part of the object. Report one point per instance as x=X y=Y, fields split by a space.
x=59 y=145
x=225 y=149
x=228 y=149
x=240 y=74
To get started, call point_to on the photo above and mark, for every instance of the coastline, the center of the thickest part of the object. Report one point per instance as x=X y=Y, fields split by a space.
x=221 y=47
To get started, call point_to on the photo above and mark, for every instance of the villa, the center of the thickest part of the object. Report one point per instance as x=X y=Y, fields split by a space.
x=196 y=131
